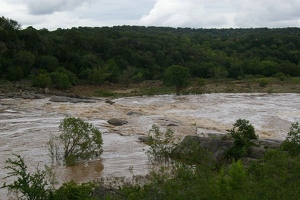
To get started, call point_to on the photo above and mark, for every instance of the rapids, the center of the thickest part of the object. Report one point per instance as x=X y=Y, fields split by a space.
x=26 y=126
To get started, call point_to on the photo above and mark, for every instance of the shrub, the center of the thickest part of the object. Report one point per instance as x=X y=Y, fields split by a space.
x=41 y=80
x=161 y=144
x=71 y=190
x=292 y=142
x=27 y=185
x=242 y=133
x=201 y=82
x=263 y=82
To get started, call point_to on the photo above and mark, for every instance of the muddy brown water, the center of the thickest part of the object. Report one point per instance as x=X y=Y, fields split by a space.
x=26 y=126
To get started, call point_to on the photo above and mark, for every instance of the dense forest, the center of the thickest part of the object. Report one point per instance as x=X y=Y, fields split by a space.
x=127 y=54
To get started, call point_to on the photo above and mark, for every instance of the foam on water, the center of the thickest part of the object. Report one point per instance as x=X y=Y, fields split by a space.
x=26 y=126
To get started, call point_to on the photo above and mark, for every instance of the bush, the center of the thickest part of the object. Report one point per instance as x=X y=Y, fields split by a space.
x=161 y=144
x=201 y=82
x=73 y=191
x=242 y=133
x=41 y=80
x=263 y=82
x=292 y=142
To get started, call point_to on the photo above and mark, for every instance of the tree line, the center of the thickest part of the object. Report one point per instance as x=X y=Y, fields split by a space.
x=125 y=54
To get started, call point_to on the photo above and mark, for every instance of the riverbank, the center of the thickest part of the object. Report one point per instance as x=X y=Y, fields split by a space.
x=23 y=89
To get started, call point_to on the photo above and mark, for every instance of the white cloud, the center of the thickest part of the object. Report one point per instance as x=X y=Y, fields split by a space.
x=41 y=7
x=226 y=13
x=52 y=14
x=268 y=13
x=188 y=13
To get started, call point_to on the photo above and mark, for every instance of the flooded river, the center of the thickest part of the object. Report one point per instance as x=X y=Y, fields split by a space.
x=26 y=126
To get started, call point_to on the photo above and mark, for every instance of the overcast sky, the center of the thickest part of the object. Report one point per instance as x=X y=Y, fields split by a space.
x=53 y=14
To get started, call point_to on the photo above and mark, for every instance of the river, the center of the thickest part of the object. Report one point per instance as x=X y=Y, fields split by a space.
x=26 y=126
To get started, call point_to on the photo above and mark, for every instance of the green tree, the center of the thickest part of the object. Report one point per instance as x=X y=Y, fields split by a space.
x=292 y=142
x=25 y=60
x=48 y=62
x=41 y=80
x=80 y=140
x=242 y=133
x=15 y=73
x=9 y=24
x=177 y=76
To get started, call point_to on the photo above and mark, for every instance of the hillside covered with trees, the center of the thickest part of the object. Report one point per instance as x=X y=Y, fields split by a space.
x=126 y=54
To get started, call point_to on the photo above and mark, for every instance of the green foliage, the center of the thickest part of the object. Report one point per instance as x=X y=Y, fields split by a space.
x=281 y=76
x=41 y=80
x=107 y=53
x=292 y=142
x=98 y=75
x=9 y=24
x=80 y=140
x=161 y=145
x=177 y=76
x=62 y=78
x=263 y=82
x=230 y=183
x=15 y=73
x=28 y=186
x=201 y=82
x=73 y=191
x=242 y=133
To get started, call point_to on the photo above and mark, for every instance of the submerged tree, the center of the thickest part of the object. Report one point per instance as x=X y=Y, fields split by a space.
x=80 y=140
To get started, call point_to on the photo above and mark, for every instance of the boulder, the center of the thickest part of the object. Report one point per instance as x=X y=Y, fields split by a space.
x=109 y=102
x=107 y=192
x=256 y=152
x=46 y=91
x=117 y=122
x=144 y=139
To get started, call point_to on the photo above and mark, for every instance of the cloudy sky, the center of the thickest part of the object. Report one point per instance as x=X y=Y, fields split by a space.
x=53 y=14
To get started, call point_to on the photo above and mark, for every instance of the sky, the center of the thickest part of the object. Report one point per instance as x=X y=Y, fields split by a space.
x=53 y=14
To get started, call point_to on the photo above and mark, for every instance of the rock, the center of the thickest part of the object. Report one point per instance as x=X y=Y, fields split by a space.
x=117 y=122
x=172 y=125
x=38 y=96
x=216 y=146
x=247 y=160
x=69 y=99
x=256 y=152
x=46 y=91
x=109 y=101
x=107 y=192
x=27 y=96
x=144 y=139
x=133 y=113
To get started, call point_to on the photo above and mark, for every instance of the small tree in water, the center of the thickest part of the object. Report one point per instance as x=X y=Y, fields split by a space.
x=80 y=140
